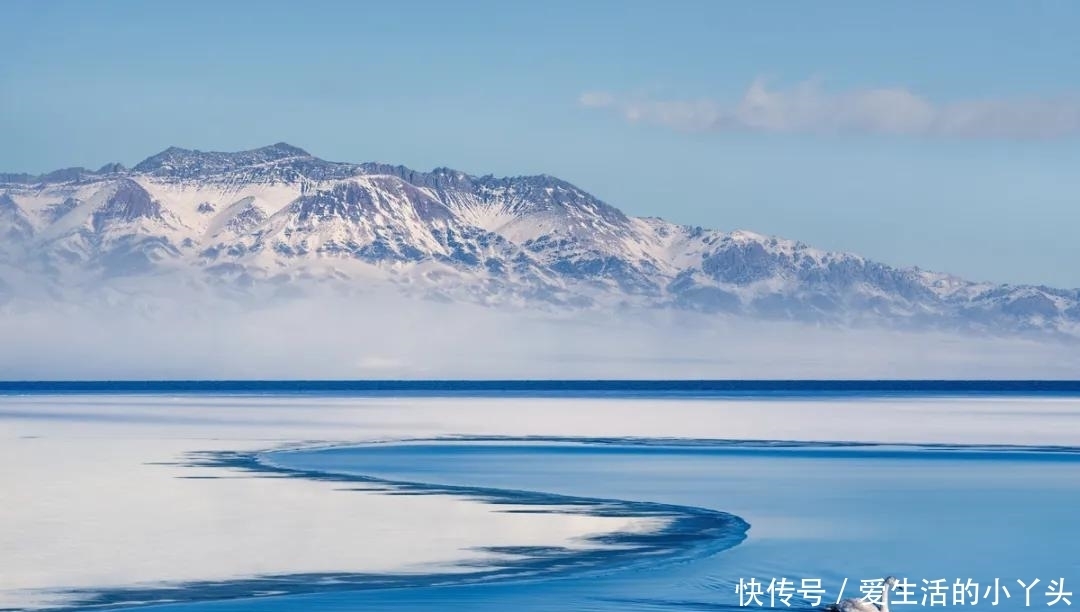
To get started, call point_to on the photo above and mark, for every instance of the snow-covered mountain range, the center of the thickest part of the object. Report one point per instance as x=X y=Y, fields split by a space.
x=279 y=218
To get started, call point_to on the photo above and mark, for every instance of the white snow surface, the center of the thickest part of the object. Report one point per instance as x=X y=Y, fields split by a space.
x=94 y=498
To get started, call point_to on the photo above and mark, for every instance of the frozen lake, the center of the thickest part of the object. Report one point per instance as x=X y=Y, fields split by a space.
x=625 y=502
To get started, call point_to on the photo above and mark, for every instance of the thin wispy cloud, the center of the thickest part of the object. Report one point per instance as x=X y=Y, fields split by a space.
x=809 y=108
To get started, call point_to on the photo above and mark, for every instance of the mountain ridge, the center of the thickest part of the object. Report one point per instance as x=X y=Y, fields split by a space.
x=278 y=216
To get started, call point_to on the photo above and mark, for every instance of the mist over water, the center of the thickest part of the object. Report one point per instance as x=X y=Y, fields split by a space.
x=170 y=334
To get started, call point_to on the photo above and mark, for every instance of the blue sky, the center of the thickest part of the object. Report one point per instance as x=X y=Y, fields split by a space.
x=944 y=135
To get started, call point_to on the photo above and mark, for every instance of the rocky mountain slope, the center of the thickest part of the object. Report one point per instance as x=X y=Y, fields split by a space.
x=280 y=218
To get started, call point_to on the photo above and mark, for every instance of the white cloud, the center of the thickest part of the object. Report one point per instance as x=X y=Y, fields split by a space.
x=807 y=107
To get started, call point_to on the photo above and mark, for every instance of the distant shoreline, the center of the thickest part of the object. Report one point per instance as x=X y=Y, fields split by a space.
x=563 y=388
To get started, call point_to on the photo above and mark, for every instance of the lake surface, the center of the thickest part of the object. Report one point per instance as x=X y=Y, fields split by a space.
x=816 y=512
x=708 y=389
x=835 y=512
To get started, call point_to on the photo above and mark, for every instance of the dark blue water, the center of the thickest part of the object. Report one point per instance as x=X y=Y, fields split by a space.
x=828 y=512
x=815 y=512
x=566 y=388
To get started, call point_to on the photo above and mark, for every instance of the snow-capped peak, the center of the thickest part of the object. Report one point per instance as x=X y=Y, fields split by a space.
x=279 y=216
